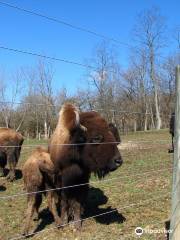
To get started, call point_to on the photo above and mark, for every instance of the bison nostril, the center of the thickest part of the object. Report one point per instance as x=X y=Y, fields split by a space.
x=118 y=161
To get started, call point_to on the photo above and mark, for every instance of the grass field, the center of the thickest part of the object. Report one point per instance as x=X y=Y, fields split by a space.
x=138 y=194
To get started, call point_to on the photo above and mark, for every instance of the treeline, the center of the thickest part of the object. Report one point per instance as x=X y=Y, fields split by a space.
x=140 y=97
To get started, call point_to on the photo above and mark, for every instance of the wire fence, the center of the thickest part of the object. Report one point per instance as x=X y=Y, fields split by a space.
x=83 y=184
x=135 y=173
x=63 y=22
x=37 y=14
x=94 y=216
x=92 y=109
x=158 y=168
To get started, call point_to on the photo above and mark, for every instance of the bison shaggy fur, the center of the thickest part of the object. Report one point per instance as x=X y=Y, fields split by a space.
x=10 y=148
x=82 y=143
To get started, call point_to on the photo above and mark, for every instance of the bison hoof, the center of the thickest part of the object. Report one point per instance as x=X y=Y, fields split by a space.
x=78 y=225
x=58 y=223
x=25 y=233
x=36 y=218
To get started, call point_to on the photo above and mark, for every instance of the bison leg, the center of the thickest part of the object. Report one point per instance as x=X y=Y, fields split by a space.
x=11 y=174
x=3 y=162
x=38 y=202
x=52 y=207
x=12 y=165
x=64 y=208
x=172 y=143
x=77 y=215
x=29 y=213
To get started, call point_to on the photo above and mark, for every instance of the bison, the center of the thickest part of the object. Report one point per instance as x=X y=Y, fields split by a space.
x=172 y=130
x=82 y=143
x=38 y=176
x=10 y=148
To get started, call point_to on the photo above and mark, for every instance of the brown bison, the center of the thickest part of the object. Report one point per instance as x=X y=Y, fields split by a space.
x=10 y=148
x=38 y=175
x=172 y=130
x=82 y=143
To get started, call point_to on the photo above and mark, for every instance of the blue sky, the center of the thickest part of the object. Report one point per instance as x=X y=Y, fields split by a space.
x=113 y=18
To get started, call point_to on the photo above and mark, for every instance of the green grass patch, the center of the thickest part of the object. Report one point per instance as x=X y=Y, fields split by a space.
x=143 y=180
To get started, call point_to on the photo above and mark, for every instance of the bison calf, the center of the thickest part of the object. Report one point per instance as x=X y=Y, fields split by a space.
x=38 y=175
x=10 y=148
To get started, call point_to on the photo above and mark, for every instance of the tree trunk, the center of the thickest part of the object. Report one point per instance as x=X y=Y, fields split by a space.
x=154 y=81
x=37 y=127
x=45 y=130
x=152 y=119
x=49 y=131
x=39 y=136
x=145 y=120
x=158 y=118
x=7 y=122
x=135 y=125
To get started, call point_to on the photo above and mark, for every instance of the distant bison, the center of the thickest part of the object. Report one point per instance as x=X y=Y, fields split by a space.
x=10 y=148
x=81 y=143
x=38 y=175
x=172 y=130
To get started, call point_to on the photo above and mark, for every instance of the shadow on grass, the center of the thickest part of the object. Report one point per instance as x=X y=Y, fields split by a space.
x=108 y=214
x=96 y=198
x=18 y=173
x=46 y=219
x=2 y=188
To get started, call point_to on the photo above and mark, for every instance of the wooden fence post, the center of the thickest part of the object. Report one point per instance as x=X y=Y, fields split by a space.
x=175 y=211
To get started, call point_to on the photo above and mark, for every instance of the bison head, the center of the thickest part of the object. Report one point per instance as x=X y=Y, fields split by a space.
x=100 y=153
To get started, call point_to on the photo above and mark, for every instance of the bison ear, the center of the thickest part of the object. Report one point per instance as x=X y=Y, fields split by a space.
x=97 y=139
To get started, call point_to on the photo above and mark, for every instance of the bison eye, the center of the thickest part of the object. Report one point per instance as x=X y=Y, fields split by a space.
x=97 y=139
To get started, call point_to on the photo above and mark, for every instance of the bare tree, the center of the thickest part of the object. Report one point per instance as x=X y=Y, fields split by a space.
x=168 y=84
x=149 y=32
x=40 y=99
x=177 y=36
x=44 y=85
x=139 y=72
x=10 y=92
x=103 y=79
x=138 y=91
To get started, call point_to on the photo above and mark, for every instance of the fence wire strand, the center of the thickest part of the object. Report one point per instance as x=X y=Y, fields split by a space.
x=90 y=143
x=64 y=23
x=94 y=216
x=114 y=111
x=78 y=185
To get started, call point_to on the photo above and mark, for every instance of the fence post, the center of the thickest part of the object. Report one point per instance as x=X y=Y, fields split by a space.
x=175 y=211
